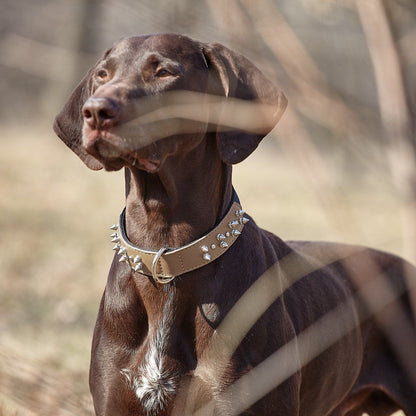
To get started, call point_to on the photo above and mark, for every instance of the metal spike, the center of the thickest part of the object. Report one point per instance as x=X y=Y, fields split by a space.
x=116 y=247
x=114 y=227
x=114 y=235
x=239 y=213
x=244 y=220
x=137 y=259
x=233 y=224
x=206 y=257
x=220 y=237
x=115 y=240
x=138 y=267
x=122 y=250
x=223 y=244
x=235 y=233
x=123 y=258
x=204 y=249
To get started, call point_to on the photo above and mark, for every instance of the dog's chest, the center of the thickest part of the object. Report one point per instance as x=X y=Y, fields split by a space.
x=155 y=380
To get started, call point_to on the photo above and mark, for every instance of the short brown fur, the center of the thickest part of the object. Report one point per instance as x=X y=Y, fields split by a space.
x=177 y=189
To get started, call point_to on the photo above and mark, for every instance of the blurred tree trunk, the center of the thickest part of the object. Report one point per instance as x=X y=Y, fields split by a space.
x=398 y=116
x=396 y=110
x=89 y=15
x=81 y=40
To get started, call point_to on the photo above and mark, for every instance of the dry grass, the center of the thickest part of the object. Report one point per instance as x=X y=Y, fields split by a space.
x=55 y=251
x=54 y=258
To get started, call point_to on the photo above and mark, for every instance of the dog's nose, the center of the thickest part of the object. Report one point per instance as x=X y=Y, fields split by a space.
x=100 y=112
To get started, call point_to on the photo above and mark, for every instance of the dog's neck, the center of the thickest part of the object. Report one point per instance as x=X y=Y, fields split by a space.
x=179 y=203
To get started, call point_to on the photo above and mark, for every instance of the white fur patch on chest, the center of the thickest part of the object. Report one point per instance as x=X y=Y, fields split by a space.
x=151 y=381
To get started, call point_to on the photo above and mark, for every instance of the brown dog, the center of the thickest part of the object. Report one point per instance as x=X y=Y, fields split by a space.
x=204 y=312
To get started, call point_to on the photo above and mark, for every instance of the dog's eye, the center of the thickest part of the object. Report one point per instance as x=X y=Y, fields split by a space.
x=163 y=73
x=102 y=74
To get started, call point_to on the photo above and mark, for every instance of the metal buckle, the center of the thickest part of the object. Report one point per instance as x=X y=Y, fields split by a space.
x=160 y=279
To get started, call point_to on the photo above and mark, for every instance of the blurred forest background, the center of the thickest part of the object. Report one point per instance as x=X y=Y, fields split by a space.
x=339 y=166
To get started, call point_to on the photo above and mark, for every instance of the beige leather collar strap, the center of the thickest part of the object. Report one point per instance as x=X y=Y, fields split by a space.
x=167 y=263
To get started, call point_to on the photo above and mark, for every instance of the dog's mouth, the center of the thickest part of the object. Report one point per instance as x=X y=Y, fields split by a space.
x=114 y=152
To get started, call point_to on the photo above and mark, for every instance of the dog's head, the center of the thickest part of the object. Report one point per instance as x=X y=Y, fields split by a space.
x=148 y=88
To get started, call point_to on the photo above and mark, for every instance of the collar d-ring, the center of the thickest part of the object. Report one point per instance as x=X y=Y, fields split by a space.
x=160 y=279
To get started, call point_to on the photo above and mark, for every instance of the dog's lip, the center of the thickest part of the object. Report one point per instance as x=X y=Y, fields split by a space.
x=114 y=155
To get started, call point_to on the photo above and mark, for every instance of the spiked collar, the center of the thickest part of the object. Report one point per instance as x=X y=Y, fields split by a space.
x=167 y=263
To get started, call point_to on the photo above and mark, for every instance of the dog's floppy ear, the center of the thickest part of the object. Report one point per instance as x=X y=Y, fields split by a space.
x=68 y=123
x=241 y=79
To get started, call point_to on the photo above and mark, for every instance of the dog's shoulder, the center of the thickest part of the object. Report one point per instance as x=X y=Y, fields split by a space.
x=348 y=254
